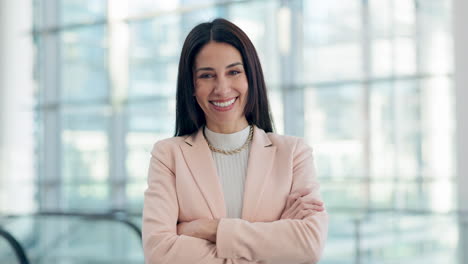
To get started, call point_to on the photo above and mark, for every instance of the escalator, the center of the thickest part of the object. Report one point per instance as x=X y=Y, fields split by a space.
x=71 y=238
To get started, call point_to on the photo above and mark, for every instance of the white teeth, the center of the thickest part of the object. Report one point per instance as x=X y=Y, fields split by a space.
x=225 y=104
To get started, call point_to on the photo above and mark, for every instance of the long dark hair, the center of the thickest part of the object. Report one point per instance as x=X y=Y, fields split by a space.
x=189 y=115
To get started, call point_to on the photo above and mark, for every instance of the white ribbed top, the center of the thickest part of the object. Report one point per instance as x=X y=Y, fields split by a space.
x=232 y=169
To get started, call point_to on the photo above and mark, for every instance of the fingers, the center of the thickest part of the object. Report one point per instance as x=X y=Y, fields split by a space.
x=302 y=192
x=302 y=208
x=303 y=200
x=306 y=206
x=296 y=194
x=298 y=206
x=300 y=213
x=304 y=214
x=310 y=200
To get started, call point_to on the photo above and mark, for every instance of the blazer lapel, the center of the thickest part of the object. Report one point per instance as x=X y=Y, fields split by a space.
x=261 y=158
x=201 y=164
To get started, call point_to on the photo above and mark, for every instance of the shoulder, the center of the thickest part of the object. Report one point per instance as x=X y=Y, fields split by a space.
x=292 y=148
x=291 y=143
x=167 y=145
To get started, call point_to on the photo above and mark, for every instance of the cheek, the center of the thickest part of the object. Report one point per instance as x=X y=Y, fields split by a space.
x=200 y=100
x=244 y=88
x=200 y=91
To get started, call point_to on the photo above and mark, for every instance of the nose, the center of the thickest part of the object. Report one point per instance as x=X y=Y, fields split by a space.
x=222 y=86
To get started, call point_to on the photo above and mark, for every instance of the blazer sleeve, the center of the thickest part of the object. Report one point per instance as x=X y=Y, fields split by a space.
x=282 y=241
x=161 y=244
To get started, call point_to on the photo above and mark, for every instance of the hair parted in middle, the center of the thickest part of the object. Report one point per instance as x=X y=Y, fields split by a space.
x=189 y=115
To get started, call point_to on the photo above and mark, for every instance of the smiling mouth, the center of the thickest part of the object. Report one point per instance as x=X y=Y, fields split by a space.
x=225 y=103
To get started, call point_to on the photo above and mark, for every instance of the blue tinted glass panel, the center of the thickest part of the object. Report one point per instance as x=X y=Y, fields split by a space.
x=82 y=11
x=154 y=52
x=83 y=64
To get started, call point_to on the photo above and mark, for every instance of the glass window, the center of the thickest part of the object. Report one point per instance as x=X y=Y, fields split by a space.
x=81 y=11
x=85 y=148
x=147 y=122
x=154 y=56
x=368 y=84
x=332 y=124
x=332 y=44
x=83 y=64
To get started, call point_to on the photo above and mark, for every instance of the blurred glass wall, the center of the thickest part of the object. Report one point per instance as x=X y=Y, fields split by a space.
x=367 y=83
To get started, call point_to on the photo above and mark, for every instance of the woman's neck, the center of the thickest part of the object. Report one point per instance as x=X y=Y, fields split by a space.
x=227 y=141
x=227 y=128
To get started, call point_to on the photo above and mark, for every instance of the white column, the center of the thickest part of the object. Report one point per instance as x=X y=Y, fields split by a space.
x=118 y=68
x=366 y=135
x=16 y=107
x=460 y=33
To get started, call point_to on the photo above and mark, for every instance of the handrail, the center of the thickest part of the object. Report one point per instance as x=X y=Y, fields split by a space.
x=362 y=216
x=114 y=216
x=117 y=216
x=410 y=211
x=19 y=250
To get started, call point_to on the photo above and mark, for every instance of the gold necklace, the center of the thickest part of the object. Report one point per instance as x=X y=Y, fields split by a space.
x=234 y=151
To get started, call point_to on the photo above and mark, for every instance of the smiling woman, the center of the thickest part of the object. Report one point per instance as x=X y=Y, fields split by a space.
x=226 y=189
x=221 y=87
x=204 y=48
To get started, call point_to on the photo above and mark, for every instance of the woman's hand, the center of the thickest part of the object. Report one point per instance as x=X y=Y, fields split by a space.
x=300 y=207
x=201 y=228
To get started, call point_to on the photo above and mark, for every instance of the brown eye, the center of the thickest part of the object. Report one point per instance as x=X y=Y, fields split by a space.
x=205 y=76
x=234 y=72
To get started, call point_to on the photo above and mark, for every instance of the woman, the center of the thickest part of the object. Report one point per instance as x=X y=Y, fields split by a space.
x=226 y=189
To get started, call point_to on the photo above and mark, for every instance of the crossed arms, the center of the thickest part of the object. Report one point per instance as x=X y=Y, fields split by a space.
x=298 y=237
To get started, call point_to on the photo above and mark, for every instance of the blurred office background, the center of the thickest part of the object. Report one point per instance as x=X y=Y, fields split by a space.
x=375 y=86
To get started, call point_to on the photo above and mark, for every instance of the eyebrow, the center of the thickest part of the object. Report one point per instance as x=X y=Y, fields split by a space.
x=212 y=69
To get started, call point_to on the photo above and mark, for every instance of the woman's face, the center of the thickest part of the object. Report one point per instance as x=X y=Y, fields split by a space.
x=221 y=87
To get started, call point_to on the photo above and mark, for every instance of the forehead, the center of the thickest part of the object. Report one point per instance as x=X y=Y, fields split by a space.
x=217 y=54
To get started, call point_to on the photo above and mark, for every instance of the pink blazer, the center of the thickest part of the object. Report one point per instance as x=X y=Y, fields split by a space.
x=183 y=186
